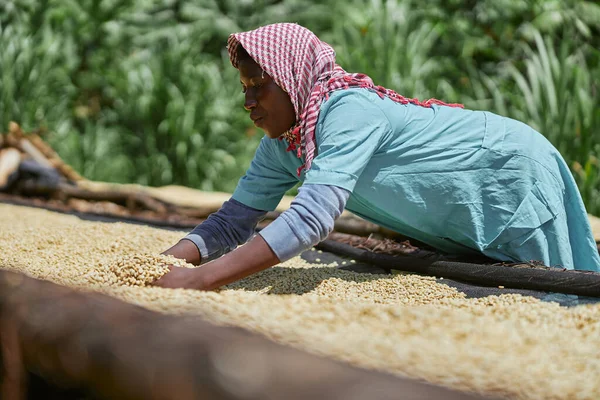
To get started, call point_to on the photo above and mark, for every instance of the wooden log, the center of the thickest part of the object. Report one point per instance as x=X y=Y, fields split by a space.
x=118 y=350
x=66 y=191
x=10 y=159
x=34 y=153
x=517 y=276
x=57 y=162
x=16 y=138
x=130 y=199
x=97 y=212
x=12 y=370
x=32 y=144
x=14 y=129
x=10 y=140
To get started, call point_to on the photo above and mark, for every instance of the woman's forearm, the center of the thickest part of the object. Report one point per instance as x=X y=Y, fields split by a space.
x=185 y=250
x=254 y=256
x=312 y=213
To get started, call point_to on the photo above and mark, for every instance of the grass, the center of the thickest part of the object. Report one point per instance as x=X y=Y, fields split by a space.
x=142 y=91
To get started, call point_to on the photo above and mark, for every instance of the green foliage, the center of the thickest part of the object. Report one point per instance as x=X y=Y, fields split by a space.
x=142 y=90
x=33 y=90
x=388 y=42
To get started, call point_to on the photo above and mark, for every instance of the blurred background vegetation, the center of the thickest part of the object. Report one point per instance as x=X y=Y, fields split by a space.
x=142 y=91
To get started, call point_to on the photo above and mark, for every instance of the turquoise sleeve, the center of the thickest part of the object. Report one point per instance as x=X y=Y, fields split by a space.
x=349 y=133
x=266 y=180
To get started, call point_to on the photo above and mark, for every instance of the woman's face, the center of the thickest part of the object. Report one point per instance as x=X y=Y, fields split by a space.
x=270 y=107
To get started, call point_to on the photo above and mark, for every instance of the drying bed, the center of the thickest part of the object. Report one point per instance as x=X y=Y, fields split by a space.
x=511 y=344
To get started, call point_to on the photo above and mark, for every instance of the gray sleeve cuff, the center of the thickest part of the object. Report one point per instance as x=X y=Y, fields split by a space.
x=200 y=244
x=308 y=221
x=224 y=230
x=284 y=242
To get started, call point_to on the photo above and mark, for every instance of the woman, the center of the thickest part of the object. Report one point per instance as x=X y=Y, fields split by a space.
x=464 y=182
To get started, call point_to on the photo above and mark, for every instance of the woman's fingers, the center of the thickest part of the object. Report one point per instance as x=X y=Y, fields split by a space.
x=176 y=278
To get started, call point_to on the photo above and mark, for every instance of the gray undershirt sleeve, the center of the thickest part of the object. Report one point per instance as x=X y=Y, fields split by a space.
x=307 y=222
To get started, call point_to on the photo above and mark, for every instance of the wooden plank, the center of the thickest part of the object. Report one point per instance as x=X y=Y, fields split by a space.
x=118 y=350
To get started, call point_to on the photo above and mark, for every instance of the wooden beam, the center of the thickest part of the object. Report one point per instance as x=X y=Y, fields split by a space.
x=117 y=350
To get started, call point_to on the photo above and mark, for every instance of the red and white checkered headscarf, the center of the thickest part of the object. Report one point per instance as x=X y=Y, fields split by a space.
x=304 y=66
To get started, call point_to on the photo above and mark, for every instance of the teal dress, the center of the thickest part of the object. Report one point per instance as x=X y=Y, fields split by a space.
x=462 y=181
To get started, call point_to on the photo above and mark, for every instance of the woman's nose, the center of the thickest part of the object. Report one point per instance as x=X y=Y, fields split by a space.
x=250 y=101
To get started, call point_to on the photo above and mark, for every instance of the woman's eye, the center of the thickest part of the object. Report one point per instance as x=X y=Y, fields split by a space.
x=254 y=86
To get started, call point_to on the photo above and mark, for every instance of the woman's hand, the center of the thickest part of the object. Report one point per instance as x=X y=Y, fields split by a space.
x=186 y=250
x=248 y=259
x=179 y=278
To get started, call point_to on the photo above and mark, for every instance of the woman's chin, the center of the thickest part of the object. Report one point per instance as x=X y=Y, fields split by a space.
x=272 y=135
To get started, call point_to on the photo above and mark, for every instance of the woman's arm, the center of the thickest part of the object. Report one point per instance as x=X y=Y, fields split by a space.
x=225 y=230
x=233 y=224
x=186 y=250
x=309 y=220
x=254 y=256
